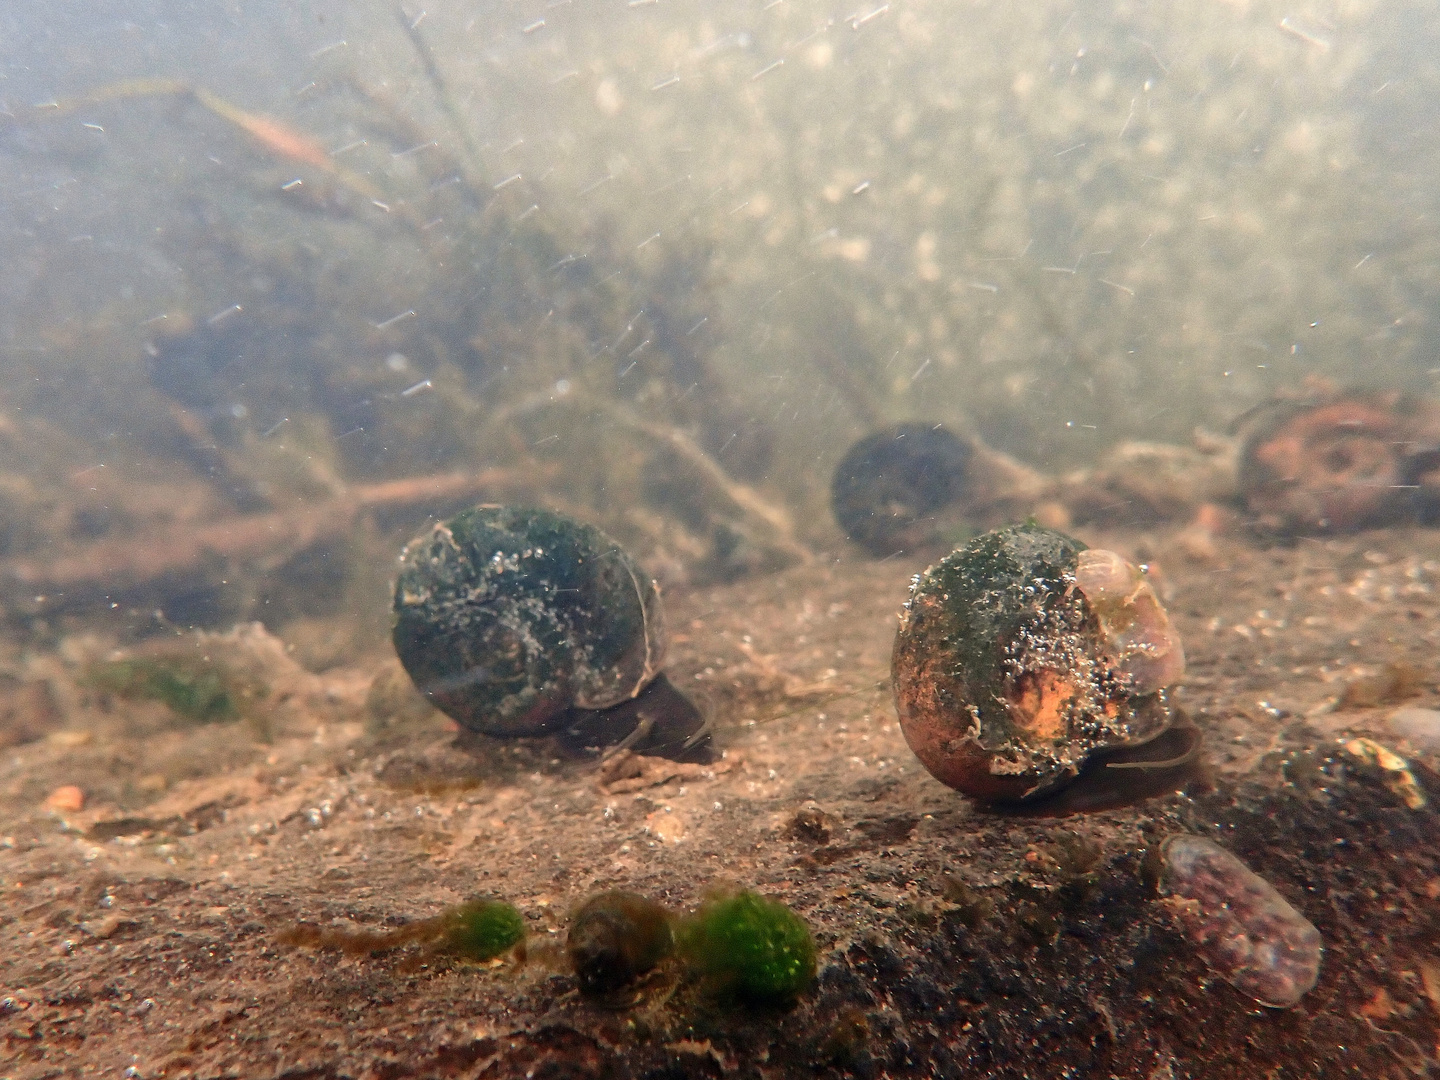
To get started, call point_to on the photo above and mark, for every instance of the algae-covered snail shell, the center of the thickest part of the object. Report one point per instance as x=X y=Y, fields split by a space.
x=1023 y=657
x=512 y=620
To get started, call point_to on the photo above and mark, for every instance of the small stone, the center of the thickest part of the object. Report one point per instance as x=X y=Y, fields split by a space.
x=66 y=799
x=1419 y=727
x=1394 y=770
x=667 y=827
x=1241 y=926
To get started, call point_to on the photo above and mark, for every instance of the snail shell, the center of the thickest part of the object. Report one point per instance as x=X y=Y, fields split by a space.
x=1021 y=655
x=891 y=484
x=615 y=938
x=507 y=617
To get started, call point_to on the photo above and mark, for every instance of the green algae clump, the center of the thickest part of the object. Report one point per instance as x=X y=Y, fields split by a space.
x=480 y=929
x=755 y=949
x=194 y=690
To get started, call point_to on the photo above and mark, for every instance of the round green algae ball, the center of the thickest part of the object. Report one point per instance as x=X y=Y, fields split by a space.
x=482 y=929
x=757 y=949
x=506 y=617
x=1005 y=677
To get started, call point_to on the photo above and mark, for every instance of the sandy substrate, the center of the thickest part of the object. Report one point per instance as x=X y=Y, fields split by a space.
x=138 y=935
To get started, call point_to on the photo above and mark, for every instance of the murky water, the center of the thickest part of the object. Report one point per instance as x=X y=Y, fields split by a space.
x=288 y=282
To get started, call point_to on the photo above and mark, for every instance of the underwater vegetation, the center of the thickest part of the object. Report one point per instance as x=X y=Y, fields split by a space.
x=518 y=622
x=195 y=690
x=477 y=930
x=1021 y=656
x=1246 y=932
x=755 y=949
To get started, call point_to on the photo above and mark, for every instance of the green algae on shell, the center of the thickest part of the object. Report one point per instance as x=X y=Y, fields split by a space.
x=506 y=617
x=1006 y=678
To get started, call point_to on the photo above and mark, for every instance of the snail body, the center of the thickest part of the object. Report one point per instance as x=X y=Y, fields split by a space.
x=1022 y=656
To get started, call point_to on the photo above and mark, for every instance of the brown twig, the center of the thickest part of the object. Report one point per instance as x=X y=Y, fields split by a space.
x=119 y=564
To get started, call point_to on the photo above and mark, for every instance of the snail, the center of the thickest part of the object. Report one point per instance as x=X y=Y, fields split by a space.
x=1029 y=671
x=516 y=621
x=615 y=938
x=1340 y=461
x=891 y=484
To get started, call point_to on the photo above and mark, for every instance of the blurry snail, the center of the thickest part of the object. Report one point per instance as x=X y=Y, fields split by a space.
x=517 y=621
x=1340 y=460
x=889 y=486
x=615 y=938
x=1029 y=670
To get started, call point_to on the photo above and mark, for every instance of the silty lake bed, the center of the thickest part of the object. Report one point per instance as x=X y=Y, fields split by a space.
x=143 y=929
x=287 y=286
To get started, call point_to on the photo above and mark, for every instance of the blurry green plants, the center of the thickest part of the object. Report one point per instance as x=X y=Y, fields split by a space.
x=751 y=948
x=481 y=929
x=195 y=690
x=740 y=947
x=478 y=930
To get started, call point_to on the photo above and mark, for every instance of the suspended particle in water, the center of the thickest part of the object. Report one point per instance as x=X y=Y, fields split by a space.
x=1245 y=931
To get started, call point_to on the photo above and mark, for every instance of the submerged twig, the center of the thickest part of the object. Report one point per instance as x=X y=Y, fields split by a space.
x=443 y=95
x=115 y=565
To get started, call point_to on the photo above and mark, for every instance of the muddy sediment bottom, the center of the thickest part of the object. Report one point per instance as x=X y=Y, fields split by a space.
x=141 y=932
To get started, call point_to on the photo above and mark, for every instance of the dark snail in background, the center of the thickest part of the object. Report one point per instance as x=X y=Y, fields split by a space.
x=890 y=485
x=517 y=621
x=1031 y=671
